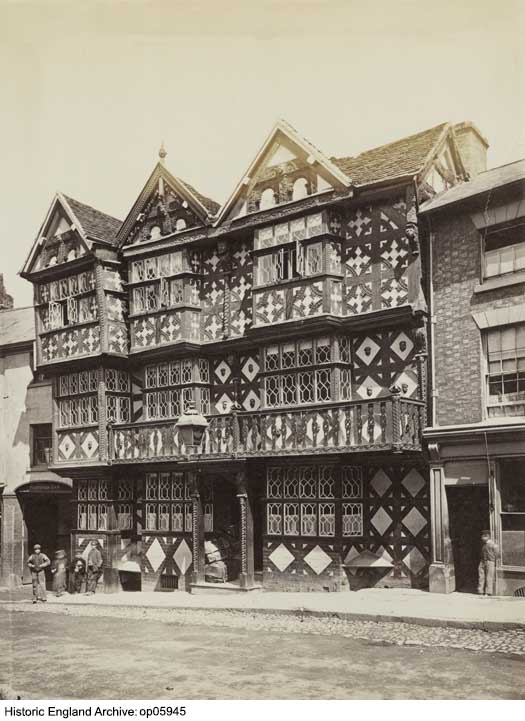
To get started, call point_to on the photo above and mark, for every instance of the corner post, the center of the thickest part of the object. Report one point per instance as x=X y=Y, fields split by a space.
x=247 y=574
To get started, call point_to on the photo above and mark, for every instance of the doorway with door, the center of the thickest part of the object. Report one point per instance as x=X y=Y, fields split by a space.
x=468 y=508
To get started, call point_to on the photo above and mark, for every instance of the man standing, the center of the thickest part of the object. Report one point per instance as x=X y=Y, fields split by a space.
x=94 y=568
x=37 y=563
x=487 y=565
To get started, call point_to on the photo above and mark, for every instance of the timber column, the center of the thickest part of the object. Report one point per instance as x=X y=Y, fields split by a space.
x=113 y=545
x=197 y=529
x=247 y=574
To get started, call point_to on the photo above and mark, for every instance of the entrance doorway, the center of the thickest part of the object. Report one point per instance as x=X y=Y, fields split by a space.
x=47 y=517
x=468 y=508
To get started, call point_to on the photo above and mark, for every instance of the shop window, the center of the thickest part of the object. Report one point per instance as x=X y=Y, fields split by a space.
x=41 y=444
x=506 y=371
x=512 y=495
x=504 y=251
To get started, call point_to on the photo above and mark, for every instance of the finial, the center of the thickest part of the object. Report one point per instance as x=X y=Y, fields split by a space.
x=162 y=152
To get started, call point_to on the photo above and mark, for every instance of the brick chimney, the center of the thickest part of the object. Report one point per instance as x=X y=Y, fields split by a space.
x=472 y=147
x=6 y=301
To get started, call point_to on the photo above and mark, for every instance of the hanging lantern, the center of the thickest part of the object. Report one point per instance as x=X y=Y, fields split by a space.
x=191 y=425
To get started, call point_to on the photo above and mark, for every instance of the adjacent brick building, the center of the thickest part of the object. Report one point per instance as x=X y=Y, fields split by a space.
x=476 y=236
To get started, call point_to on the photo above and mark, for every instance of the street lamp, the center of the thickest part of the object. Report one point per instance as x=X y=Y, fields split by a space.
x=191 y=425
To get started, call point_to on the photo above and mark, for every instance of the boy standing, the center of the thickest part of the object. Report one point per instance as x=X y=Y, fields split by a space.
x=37 y=562
x=487 y=565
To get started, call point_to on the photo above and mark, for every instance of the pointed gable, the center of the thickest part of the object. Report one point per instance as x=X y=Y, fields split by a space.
x=68 y=232
x=166 y=205
x=287 y=168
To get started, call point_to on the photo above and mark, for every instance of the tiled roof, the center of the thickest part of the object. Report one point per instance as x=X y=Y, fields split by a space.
x=95 y=223
x=485 y=181
x=211 y=206
x=17 y=325
x=400 y=158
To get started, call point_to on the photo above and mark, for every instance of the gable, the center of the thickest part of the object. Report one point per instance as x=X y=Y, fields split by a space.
x=444 y=167
x=165 y=206
x=60 y=240
x=286 y=169
x=164 y=212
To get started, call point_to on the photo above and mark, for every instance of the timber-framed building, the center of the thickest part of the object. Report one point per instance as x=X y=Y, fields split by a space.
x=293 y=320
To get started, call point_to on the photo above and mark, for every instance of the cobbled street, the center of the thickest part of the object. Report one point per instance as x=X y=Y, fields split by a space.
x=93 y=652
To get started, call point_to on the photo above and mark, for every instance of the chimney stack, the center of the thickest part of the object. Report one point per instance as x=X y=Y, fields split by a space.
x=6 y=301
x=472 y=146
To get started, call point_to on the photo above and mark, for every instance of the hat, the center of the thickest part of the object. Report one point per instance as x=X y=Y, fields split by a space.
x=60 y=554
x=485 y=533
x=37 y=545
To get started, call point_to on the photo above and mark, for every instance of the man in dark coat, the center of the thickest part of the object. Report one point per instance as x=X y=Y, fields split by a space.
x=94 y=568
x=37 y=563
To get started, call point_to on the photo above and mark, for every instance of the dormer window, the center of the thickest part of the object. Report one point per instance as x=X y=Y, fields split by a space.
x=300 y=189
x=267 y=199
x=504 y=251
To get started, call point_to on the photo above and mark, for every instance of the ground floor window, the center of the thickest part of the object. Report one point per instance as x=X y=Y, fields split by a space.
x=169 y=503
x=512 y=495
x=305 y=501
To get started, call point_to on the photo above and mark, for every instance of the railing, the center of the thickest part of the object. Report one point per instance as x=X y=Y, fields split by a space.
x=393 y=423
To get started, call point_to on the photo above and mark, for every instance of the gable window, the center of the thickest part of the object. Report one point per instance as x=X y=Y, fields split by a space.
x=268 y=199
x=300 y=189
x=504 y=251
x=506 y=370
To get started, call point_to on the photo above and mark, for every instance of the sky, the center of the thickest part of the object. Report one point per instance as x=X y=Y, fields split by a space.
x=90 y=89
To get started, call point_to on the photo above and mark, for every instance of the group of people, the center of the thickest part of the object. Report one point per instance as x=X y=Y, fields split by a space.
x=78 y=574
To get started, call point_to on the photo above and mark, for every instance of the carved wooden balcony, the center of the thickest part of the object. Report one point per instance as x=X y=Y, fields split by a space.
x=393 y=423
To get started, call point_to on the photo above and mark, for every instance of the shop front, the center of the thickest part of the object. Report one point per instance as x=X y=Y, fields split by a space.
x=477 y=483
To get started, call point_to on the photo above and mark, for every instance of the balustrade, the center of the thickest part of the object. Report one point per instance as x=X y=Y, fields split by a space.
x=385 y=423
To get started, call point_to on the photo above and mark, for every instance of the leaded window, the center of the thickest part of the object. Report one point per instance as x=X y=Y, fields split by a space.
x=63 y=302
x=302 y=373
x=77 y=399
x=300 y=500
x=169 y=504
x=92 y=508
x=163 y=401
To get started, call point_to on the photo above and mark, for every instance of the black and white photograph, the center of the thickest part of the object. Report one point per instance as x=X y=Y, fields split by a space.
x=262 y=356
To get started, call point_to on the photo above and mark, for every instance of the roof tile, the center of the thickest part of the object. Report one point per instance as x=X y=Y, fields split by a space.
x=393 y=160
x=95 y=223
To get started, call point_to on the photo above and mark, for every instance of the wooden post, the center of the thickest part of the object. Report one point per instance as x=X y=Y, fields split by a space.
x=197 y=530
x=111 y=574
x=247 y=574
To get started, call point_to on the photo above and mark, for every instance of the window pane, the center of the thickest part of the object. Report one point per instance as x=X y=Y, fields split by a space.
x=506 y=260
x=491 y=264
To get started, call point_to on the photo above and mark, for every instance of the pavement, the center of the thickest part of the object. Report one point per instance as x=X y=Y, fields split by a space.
x=455 y=610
